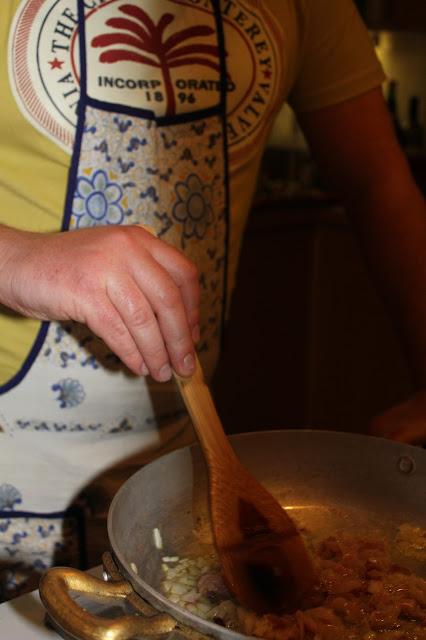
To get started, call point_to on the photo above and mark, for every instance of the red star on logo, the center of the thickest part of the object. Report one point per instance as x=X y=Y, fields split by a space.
x=56 y=64
x=267 y=73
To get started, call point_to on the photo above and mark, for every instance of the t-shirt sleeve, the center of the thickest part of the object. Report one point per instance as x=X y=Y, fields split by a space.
x=338 y=61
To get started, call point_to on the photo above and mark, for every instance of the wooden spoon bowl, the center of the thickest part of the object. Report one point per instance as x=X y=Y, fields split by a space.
x=263 y=556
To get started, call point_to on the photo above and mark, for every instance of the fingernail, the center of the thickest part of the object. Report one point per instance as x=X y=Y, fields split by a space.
x=196 y=333
x=144 y=369
x=189 y=363
x=165 y=373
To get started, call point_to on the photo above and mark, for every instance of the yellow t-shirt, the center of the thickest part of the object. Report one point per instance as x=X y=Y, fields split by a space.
x=312 y=53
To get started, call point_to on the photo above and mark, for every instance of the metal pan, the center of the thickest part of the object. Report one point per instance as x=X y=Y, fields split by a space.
x=330 y=481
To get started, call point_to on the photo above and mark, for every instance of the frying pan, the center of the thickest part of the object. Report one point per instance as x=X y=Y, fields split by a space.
x=329 y=481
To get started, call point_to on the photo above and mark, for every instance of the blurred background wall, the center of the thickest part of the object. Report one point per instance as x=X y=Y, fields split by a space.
x=309 y=343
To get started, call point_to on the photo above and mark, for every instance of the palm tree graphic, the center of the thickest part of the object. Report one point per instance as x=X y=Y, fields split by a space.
x=138 y=31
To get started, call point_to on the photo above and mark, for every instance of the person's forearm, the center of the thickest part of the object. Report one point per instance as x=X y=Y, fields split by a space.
x=391 y=221
x=134 y=291
x=11 y=240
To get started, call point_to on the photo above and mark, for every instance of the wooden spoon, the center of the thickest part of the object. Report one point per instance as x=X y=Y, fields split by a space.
x=263 y=556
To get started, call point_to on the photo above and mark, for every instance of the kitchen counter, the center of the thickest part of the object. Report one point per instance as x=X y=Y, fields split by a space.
x=23 y=619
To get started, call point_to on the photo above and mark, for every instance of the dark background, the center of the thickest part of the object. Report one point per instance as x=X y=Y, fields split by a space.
x=309 y=343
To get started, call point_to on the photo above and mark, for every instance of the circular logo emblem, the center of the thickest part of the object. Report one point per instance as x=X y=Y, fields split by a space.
x=157 y=55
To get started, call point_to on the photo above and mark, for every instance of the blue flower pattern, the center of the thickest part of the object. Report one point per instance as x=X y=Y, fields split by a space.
x=97 y=201
x=9 y=497
x=47 y=537
x=145 y=177
x=193 y=208
x=114 y=186
x=71 y=393
x=69 y=344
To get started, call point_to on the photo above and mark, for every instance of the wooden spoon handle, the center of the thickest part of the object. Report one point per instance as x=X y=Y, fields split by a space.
x=200 y=405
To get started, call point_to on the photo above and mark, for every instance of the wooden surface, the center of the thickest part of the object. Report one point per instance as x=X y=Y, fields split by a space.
x=309 y=343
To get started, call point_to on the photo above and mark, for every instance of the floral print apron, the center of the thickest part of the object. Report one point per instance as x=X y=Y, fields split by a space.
x=74 y=411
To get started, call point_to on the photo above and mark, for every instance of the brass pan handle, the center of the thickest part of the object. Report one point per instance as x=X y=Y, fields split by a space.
x=55 y=587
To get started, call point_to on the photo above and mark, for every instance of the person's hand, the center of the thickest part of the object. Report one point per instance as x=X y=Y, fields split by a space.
x=405 y=423
x=134 y=291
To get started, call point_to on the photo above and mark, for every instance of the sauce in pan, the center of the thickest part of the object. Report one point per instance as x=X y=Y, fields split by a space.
x=364 y=595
